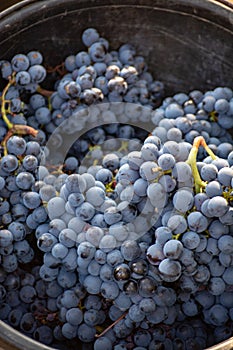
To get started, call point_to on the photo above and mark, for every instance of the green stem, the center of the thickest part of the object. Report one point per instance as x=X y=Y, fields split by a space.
x=192 y=161
x=3 y=106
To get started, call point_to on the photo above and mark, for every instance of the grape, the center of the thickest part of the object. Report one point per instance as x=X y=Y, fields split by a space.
x=82 y=59
x=157 y=316
x=225 y=259
x=48 y=274
x=227 y=275
x=190 y=239
x=6 y=238
x=126 y=175
x=93 y=302
x=202 y=274
x=89 y=36
x=94 y=234
x=114 y=257
x=37 y=73
x=182 y=171
x=136 y=314
x=172 y=249
x=147 y=287
x=56 y=207
x=16 y=145
x=66 y=278
x=222 y=333
x=197 y=222
x=178 y=224
x=9 y=163
x=173 y=111
x=139 y=268
x=95 y=196
x=46 y=241
x=123 y=302
x=74 y=316
x=106 y=272
x=43 y=334
x=43 y=115
x=225 y=244
x=69 y=331
x=86 y=333
x=147 y=305
x=59 y=251
x=20 y=62
x=149 y=170
x=109 y=290
x=227 y=218
x=53 y=289
x=14 y=317
x=217 y=206
x=6 y=69
x=85 y=211
x=226 y=299
x=155 y=254
x=27 y=294
x=30 y=163
x=225 y=176
x=168 y=182
x=103 y=343
x=107 y=243
x=93 y=268
x=23 y=78
x=75 y=183
x=183 y=200
x=28 y=323
x=217 y=286
x=128 y=212
x=112 y=215
x=190 y=308
x=2 y=293
x=31 y=200
x=170 y=270
x=163 y=234
x=217 y=229
x=216 y=315
x=213 y=189
x=92 y=284
x=122 y=272
x=205 y=298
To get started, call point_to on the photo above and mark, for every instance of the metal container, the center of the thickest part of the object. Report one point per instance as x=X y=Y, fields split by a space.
x=188 y=45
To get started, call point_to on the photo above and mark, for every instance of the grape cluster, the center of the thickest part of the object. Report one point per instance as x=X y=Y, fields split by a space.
x=127 y=244
x=94 y=76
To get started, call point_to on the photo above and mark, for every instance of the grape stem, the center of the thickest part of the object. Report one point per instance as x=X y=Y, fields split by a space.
x=111 y=325
x=124 y=146
x=60 y=69
x=192 y=161
x=4 y=101
x=44 y=92
x=13 y=129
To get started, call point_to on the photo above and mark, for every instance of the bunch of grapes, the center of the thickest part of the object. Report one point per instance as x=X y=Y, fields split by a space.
x=127 y=242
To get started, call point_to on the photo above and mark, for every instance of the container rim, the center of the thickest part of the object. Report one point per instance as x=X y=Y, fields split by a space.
x=227 y=4
x=15 y=339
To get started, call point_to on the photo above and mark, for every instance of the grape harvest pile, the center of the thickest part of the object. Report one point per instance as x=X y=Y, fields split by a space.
x=127 y=242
